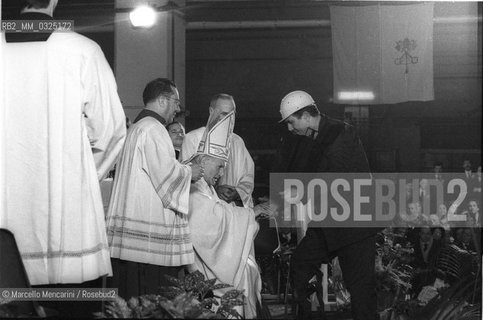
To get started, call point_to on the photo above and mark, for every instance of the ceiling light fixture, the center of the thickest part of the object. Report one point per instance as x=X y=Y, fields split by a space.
x=143 y=17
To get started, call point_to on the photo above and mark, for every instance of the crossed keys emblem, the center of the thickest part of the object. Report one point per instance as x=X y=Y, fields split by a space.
x=405 y=46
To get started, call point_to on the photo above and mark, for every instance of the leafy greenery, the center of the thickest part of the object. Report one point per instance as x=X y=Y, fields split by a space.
x=6 y=309
x=190 y=298
x=459 y=301
x=393 y=273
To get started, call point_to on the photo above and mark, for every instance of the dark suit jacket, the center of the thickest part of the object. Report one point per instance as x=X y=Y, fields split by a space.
x=433 y=254
x=337 y=148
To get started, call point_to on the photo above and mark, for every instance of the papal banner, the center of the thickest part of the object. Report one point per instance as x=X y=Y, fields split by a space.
x=382 y=54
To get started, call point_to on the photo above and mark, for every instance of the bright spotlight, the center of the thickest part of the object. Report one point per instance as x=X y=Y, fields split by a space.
x=143 y=17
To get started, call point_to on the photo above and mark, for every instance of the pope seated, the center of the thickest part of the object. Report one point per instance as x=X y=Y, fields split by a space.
x=222 y=233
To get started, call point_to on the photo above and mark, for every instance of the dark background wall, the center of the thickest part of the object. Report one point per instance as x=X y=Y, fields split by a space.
x=259 y=66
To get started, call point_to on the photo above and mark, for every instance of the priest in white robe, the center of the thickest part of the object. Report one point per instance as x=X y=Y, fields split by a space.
x=147 y=219
x=237 y=183
x=62 y=128
x=223 y=233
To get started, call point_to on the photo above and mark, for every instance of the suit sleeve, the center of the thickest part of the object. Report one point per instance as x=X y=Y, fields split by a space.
x=346 y=153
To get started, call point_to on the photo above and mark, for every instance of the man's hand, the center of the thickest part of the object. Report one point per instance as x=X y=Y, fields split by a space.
x=196 y=172
x=265 y=209
x=227 y=193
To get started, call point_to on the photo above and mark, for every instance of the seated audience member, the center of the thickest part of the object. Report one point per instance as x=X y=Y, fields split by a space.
x=223 y=233
x=440 y=218
x=442 y=215
x=439 y=235
x=426 y=249
x=410 y=195
x=426 y=199
x=474 y=213
x=176 y=133
x=469 y=177
x=475 y=188
x=438 y=171
x=412 y=216
x=411 y=219
x=434 y=220
x=426 y=253
x=464 y=239
x=467 y=167
x=474 y=223
x=440 y=176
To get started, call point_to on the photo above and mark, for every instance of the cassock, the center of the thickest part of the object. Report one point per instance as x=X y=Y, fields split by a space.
x=223 y=237
x=240 y=168
x=62 y=127
x=147 y=218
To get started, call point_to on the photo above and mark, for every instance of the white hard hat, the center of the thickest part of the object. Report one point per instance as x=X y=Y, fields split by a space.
x=294 y=101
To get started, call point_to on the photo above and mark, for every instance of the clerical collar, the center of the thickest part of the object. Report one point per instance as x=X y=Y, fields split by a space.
x=149 y=113
x=11 y=37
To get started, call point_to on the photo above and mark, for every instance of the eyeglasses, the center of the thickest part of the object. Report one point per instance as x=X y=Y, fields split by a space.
x=177 y=101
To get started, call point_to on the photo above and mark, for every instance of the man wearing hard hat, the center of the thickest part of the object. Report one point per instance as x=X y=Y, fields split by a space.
x=329 y=145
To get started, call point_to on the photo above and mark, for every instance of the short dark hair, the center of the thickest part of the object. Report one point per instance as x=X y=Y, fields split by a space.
x=36 y=4
x=443 y=232
x=474 y=200
x=169 y=125
x=311 y=110
x=424 y=226
x=438 y=163
x=158 y=87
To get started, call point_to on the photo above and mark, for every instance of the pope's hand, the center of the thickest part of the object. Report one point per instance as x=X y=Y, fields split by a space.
x=196 y=172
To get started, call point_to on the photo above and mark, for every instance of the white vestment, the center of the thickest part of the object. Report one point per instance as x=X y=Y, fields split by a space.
x=222 y=236
x=62 y=127
x=147 y=216
x=239 y=171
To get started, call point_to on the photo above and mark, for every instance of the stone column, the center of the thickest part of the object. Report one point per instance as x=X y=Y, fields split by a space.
x=141 y=55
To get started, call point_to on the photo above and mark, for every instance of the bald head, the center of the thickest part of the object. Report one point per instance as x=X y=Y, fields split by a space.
x=221 y=104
